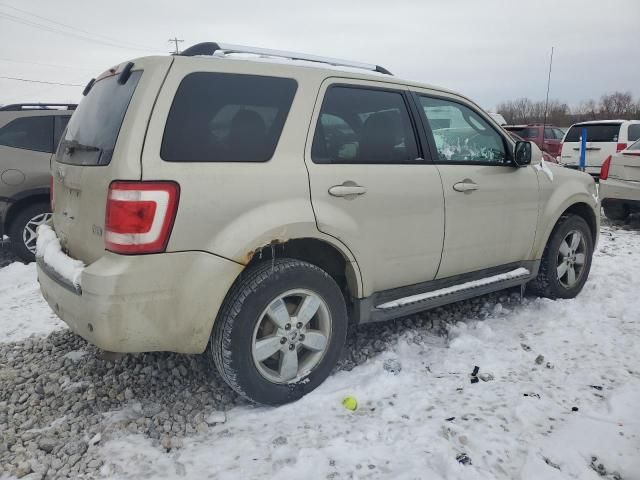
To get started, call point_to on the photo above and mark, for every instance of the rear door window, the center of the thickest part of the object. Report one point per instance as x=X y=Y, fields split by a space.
x=359 y=125
x=596 y=132
x=29 y=133
x=93 y=129
x=634 y=132
x=222 y=117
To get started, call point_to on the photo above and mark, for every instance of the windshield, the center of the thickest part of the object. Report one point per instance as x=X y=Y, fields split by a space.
x=92 y=132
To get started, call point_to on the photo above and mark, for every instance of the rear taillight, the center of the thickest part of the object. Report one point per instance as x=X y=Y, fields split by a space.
x=620 y=147
x=604 y=169
x=51 y=197
x=140 y=216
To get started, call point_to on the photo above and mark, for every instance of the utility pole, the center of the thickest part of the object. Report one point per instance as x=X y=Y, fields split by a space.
x=546 y=103
x=176 y=40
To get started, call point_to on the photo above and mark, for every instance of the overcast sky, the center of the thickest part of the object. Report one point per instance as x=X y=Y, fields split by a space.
x=490 y=50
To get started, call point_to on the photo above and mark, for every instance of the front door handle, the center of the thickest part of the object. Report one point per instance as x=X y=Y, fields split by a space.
x=465 y=186
x=347 y=190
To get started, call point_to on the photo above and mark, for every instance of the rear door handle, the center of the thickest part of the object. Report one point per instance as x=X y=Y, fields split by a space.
x=465 y=186
x=347 y=190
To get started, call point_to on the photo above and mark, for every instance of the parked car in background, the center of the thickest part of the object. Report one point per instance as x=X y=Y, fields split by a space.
x=547 y=137
x=29 y=134
x=254 y=205
x=604 y=138
x=620 y=183
x=545 y=156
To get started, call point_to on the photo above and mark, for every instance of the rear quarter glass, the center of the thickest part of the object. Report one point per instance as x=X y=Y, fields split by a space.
x=226 y=117
x=93 y=130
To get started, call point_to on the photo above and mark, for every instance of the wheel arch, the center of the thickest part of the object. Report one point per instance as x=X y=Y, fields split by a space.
x=581 y=207
x=37 y=196
x=320 y=252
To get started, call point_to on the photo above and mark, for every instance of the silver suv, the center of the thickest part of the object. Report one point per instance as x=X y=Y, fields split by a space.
x=29 y=134
x=252 y=203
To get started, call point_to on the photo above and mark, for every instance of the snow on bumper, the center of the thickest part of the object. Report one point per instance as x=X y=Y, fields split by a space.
x=163 y=302
x=50 y=257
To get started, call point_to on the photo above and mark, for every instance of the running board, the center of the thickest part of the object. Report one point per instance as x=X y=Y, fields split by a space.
x=403 y=301
x=449 y=291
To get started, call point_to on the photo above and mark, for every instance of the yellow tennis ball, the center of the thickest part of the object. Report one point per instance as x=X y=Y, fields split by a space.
x=350 y=403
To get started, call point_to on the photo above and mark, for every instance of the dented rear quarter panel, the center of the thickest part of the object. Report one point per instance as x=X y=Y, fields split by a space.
x=234 y=209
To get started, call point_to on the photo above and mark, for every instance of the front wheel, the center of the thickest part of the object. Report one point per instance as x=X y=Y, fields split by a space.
x=566 y=261
x=280 y=331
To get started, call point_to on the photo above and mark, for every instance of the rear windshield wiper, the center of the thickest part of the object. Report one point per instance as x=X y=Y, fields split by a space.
x=71 y=146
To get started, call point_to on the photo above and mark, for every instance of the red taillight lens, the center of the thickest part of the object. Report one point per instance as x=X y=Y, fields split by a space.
x=51 y=197
x=604 y=170
x=140 y=216
x=620 y=147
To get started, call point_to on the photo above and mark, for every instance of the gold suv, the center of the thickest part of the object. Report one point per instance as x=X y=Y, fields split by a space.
x=252 y=203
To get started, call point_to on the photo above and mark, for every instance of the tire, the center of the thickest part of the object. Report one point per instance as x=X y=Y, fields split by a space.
x=247 y=317
x=616 y=211
x=549 y=283
x=29 y=217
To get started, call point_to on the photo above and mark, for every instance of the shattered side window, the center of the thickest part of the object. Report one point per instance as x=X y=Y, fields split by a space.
x=460 y=134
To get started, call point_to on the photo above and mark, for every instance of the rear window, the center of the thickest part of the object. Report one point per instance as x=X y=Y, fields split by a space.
x=93 y=130
x=222 y=117
x=634 y=132
x=524 y=132
x=596 y=132
x=29 y=133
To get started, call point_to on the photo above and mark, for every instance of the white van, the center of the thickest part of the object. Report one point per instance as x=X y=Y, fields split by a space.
x=604 y=138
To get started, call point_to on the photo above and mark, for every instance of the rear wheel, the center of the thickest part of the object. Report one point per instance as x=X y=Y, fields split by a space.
x=566 y=261
x=22 y=231
x=280 y=331
x=616 y=211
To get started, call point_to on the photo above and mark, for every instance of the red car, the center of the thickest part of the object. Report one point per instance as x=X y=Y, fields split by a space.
x=550 y=142
x=545 y=156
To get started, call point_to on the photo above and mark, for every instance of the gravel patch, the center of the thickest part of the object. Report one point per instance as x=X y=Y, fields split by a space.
x=60 y=397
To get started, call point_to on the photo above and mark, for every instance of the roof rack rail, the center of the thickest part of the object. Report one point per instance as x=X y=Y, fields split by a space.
x=211 y=48
x=38 y=106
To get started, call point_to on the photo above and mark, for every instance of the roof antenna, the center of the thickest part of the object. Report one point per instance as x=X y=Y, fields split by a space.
x=546 y=104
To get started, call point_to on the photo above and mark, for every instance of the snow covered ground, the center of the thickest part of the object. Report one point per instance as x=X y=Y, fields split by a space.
x=557 y=398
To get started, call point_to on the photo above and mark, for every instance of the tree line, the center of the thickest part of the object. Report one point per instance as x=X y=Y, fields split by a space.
x=612 y=106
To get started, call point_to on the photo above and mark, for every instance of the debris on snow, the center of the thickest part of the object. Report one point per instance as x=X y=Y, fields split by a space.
x=539 y=359
x=464 y=459
x=392 y=365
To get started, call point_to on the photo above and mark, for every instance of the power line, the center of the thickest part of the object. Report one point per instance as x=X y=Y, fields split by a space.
x=546 y=104
x=41 y=81
x=176 y=40
x=30 y=23
x=48 y=64
x=73 y=27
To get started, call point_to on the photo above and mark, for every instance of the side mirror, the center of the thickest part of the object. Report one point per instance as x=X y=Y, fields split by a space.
x=522 y=154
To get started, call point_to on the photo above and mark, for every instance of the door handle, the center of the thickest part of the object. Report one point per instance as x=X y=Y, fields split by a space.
x=347 y=190
x=465 y=186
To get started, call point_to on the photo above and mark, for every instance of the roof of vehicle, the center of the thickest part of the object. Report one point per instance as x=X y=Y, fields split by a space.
x=293 y=60
x=17 y=107
x=613 y=122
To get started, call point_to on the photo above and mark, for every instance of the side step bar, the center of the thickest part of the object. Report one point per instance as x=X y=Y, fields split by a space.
x=444 y=292
x=403 y=301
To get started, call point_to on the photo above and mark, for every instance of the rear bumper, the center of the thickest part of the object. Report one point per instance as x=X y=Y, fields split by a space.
x=163 y=302
x=612 y=188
